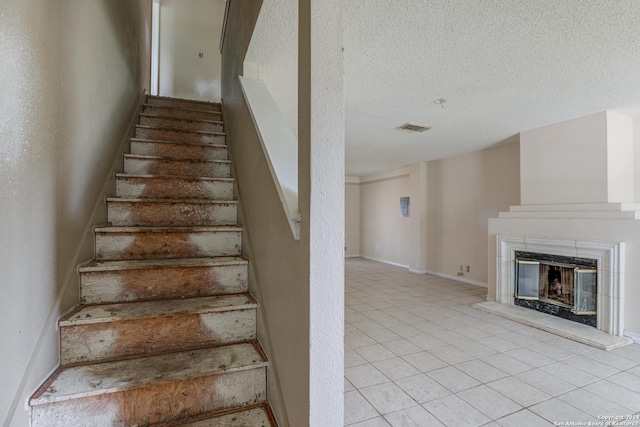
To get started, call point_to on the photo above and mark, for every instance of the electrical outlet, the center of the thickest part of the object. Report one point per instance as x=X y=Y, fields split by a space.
x=468 y=269
x=461 y=267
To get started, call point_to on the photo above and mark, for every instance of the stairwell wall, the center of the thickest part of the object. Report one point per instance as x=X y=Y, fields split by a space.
x=294 y=280
x=71 y=76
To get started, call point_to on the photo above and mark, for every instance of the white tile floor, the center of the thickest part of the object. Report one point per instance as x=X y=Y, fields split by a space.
x=417 y=354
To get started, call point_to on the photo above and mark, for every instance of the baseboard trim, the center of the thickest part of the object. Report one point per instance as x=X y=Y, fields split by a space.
x=634 y=336
x=459 y=279
x=384 y=261
x=433 y=273
x=353 y=256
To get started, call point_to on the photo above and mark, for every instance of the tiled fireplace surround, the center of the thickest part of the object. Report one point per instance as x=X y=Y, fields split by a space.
x=610 y=259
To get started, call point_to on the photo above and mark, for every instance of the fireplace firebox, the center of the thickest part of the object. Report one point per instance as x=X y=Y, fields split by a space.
x=559 y=285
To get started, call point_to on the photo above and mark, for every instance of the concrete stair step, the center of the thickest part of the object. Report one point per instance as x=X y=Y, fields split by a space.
x=181 y=113
x=180 y=135
x=183 y=103
x=155 y=165
x=122 y=243
x=163 y=122
x=173 y=187
x=170 y=212
x=120 y=281
x=112 y=331
x=153 y=389
x=176 y=150
x=252 y=416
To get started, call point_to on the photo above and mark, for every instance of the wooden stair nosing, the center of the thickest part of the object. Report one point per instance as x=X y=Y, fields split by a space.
x=164 y=141
x=144 y=157
x=191 y=101
x=172 y=201
x=155 y=116
x=181 y=130
x=123 y=175
x=168 y=107
x=117 y=265
x=205 y=420
x=152 y=229
x=159 y=368
x=105 y=313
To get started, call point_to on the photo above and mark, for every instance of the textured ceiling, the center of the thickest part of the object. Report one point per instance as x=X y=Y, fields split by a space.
x=503 y=66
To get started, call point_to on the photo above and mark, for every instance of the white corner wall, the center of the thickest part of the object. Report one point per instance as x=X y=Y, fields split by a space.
x=187 y=29
x=71 y=78
x=352 y=216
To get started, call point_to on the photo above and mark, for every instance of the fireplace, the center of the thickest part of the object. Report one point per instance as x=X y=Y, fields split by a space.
x=559 y=285
x=609 y=281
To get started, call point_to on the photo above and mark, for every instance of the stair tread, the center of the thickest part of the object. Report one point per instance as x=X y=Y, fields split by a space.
x=164 y=141
x=157 y=116
x=194 y=201
x=184 y=177
x=144 y=309
x=146 y=104
x=151 y=229
x=110 y=377
x=218 y=133
x=145 y=157
x=116 y=265
x=254 y=416
x=192 y=101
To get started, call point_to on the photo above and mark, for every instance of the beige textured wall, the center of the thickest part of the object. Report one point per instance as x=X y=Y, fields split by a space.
x=384 y=234
x=636 y=158
x=463 y=193
x=71 y=76
x=277 y=261
x=185 y=30
x=352 y=218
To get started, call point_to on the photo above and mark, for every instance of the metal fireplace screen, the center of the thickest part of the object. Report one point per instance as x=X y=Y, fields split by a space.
x=563 y=284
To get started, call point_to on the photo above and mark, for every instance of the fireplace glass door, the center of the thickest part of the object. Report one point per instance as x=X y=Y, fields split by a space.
x=562 y=286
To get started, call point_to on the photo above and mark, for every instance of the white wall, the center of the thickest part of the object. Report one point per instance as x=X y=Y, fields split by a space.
x=463 y=193
x=384 y=234
x=274 y=48
x=591 y=156
x=186 y=29
x=636 y=158
x=71 y=76
x=352 y=216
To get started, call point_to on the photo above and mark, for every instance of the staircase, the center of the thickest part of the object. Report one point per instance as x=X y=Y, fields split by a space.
x=166 y=330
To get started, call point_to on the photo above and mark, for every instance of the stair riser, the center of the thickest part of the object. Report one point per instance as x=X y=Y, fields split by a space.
x=182 y=114
x=161 y=283
x=179 y=136
x=142 y=337
x=121 y=213
x=160 y=188
x=176 y=167
x=157 y=403
x=173 y=123
x=177 y=103
x=149 y=245
x=179 y=151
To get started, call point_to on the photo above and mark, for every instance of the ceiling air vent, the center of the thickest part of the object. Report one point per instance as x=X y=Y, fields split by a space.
x=413 y=127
